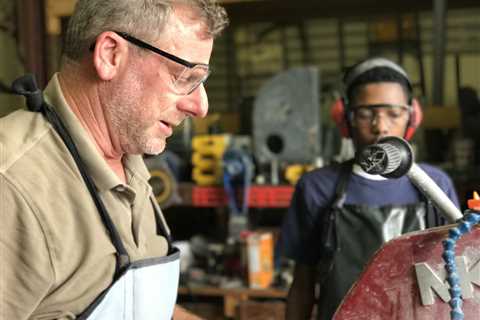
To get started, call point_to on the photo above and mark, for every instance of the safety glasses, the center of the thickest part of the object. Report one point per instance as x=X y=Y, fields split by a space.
x=366 y=115
x=193 y=74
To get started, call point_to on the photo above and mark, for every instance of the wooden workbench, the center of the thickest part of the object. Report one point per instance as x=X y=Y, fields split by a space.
x=234 y=297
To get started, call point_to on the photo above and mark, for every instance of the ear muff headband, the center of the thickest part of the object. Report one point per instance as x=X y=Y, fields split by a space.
x=338 y=111
x=370 y=64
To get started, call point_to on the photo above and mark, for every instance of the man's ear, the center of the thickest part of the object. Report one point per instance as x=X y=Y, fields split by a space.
x=109 y=55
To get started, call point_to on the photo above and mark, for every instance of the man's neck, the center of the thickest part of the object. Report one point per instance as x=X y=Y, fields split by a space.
x=85 y=104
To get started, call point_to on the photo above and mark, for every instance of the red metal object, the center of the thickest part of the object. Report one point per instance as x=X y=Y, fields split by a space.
x=474 y=203
x=259 y=196
x=208 y=197
x=388 y=287
x=270 y=196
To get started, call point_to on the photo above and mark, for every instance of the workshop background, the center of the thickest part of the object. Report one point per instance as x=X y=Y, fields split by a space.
x=225 y=181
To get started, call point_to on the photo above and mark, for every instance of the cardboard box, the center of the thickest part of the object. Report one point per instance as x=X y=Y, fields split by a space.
x=260 y=259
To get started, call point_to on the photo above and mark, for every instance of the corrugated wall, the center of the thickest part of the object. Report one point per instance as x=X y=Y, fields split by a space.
x=11 y=65
x=250 y=54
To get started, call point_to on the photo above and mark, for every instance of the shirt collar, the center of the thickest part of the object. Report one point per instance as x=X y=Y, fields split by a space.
x=360 y=172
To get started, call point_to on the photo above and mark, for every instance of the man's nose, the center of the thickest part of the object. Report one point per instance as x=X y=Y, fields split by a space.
x=195 y=104
x=380 y=123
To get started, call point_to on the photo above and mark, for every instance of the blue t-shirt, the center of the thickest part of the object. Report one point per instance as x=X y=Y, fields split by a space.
x=315 y=192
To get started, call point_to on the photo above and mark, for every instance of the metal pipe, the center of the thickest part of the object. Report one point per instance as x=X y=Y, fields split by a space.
x=434 y=193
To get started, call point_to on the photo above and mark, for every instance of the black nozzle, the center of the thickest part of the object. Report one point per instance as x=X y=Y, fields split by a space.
x=391 y=157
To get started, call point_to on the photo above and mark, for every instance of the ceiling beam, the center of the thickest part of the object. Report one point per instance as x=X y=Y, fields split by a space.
x=288 y=10
x=244 y=11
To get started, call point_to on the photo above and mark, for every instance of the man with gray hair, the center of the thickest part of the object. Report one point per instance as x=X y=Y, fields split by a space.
x=82 y=237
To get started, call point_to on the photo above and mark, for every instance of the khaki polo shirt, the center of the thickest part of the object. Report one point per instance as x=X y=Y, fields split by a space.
x=55 y=253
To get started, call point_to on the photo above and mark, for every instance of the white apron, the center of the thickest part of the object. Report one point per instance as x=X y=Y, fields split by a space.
x=143 y=290
x=146 y=291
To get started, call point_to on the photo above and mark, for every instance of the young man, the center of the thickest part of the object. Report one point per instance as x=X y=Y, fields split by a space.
x=340 y=215
x=81 y=236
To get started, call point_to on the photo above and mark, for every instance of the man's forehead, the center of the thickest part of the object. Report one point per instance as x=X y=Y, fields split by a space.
x=185 y=21
x=382 y=106
x=381 y=86
x=383 y=92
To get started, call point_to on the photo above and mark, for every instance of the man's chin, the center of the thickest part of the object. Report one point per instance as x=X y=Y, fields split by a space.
x=153 y=152
x=154 y=148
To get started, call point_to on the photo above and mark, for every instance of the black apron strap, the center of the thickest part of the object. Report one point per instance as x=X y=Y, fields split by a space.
x=161 y=227
x=342 y=182
x=27 y=87
x=328 y=233
x=432 y=216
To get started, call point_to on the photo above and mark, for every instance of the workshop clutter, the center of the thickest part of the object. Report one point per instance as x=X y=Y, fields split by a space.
x=208 y=165
x=247 y=262
x=162 y=178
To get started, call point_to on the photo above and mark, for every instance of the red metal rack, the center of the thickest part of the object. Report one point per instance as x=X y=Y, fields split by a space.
x=260 y=196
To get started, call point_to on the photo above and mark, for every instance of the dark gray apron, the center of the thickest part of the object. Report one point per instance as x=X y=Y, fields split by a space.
x=360 y=230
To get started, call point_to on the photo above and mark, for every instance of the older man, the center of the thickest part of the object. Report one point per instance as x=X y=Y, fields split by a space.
x=81 y=236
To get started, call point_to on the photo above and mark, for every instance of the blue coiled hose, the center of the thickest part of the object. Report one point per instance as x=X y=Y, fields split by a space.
x=469 y=220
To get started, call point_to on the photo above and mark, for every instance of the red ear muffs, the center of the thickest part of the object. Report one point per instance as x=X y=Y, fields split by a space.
x=337 y=112
x=416 y=117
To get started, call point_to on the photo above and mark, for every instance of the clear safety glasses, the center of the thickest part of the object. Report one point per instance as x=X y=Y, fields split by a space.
x=193 y=75
x=366 y=115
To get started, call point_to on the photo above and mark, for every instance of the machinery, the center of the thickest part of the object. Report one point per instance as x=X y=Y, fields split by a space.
x=163 y=179
x=430 y=274
x=286 y=120
x=237 y=176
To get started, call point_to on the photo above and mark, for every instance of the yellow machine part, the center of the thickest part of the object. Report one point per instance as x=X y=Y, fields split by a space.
x=206 y=178
x=213 y=145
x=207 y=156
x=204 y=161
x=295 y=171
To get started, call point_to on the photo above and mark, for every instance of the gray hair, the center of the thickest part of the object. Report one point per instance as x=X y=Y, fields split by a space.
x=141 y=18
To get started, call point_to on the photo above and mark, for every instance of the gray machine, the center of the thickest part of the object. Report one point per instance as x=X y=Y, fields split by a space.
x=286 y=118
